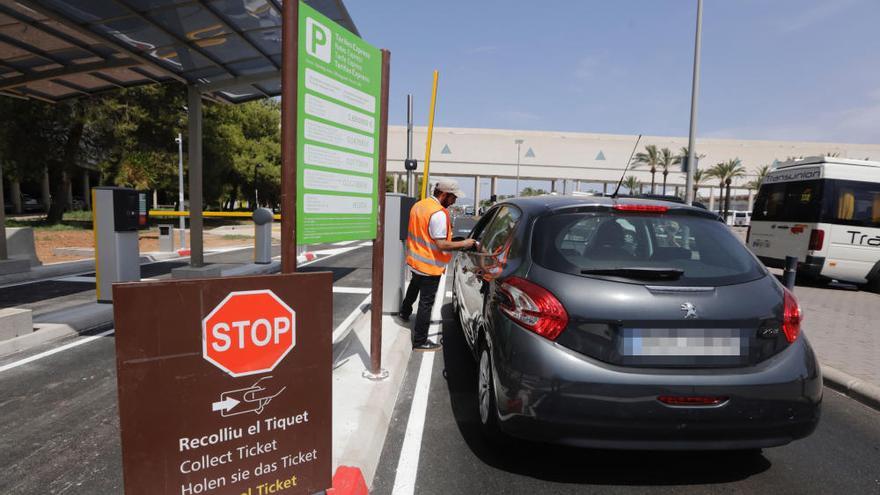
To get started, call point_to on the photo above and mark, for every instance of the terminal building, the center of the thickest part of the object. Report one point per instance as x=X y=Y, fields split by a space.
x=488 y=161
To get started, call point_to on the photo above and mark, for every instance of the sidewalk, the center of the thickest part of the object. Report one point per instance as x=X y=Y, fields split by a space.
x=842 y=327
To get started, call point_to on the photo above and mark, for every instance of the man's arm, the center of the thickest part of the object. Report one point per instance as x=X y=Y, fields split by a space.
x=445 y=245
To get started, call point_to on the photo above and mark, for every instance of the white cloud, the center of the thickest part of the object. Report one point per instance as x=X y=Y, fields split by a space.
x=811 y=16
x=853 y=125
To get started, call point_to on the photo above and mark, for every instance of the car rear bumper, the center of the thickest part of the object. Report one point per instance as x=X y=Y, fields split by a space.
x=548 y=393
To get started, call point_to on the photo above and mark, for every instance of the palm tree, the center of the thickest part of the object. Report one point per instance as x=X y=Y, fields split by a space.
x=631 y=183
x=683 y=153
x=667 y=160
x=651 y=158
x=725 y=172
x=763 y=170
x=699 y=177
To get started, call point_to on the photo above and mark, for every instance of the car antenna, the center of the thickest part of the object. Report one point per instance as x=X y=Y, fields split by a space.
x=627 y=166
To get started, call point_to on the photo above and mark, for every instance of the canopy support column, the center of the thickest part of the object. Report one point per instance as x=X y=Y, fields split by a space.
x=476 y=195
x=194 y=108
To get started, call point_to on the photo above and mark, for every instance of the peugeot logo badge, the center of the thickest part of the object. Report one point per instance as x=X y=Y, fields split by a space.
x=690 y=310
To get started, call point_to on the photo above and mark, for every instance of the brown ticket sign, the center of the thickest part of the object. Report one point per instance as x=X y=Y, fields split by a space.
x=225 y=384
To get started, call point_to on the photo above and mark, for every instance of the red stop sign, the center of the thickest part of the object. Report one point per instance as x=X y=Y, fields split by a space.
x=249 y=332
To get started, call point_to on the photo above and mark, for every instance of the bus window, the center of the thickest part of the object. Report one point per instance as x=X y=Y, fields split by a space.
x=789 y=202
x=856 y=203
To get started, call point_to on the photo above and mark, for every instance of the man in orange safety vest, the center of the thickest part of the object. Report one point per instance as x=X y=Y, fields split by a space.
x=429 y=244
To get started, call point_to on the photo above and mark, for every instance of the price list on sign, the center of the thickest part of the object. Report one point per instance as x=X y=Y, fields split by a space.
x=338 y=112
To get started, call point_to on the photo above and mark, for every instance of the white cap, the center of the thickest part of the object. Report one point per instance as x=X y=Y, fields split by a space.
x=449 y=186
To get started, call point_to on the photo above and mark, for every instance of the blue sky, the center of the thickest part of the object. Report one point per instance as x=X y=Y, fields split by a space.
x=781 y=69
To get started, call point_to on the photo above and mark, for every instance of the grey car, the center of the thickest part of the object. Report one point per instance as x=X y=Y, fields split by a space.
x=632 y=324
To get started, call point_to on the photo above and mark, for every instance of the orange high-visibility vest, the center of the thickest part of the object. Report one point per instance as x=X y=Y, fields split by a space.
x=422 y=252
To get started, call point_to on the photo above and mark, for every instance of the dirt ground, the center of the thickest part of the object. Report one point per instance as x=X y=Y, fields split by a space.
x=47 y=240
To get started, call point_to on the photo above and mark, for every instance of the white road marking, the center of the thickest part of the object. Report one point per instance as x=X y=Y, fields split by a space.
x=35 y=357
x=407 y=466
x=333 y=251
x=408 y=463
x=368 y=243
x=343 y=243
x=351 y=290
x=343 y=327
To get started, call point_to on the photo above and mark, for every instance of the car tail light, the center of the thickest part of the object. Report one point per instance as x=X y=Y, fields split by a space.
x=533 y=307
x=791 y=316
x=642 y=208
x=817 y=239
x=678 y=400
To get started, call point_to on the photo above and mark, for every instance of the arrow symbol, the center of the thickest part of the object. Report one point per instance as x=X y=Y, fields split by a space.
x=225 y=404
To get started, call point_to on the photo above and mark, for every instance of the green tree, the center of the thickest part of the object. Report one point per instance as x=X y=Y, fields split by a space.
x=665 y=162
x=725 y=172
x=700 y=176
x=649 y=158
x=763 y=170
x=530 y=191
x=631 y=183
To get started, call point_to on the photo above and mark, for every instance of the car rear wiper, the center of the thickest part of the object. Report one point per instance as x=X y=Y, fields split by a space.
x=645 y=273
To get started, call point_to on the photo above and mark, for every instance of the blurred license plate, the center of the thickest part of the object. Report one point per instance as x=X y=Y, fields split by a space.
x=681 y=342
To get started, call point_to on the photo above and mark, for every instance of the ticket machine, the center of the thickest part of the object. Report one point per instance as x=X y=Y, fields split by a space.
x=117 y=215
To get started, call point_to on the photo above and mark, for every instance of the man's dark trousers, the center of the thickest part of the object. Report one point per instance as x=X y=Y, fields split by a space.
x=425 y=288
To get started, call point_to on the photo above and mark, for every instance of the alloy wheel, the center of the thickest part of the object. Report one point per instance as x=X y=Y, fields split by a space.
x=484 y=387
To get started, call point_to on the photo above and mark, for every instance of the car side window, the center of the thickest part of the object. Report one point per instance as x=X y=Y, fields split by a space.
x=477 y=231
x=499 y=231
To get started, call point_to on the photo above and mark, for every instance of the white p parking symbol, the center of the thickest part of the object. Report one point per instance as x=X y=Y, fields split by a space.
x=318 y=39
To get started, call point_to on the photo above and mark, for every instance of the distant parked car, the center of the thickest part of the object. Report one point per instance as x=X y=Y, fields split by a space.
x=30 y=204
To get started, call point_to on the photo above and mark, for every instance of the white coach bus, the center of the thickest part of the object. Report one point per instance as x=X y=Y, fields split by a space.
x=825 y=211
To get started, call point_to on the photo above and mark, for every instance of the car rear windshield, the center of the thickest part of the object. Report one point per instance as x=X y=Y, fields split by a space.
x=686 y=250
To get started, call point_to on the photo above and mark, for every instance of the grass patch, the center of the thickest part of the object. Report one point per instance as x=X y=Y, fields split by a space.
x=78 y=216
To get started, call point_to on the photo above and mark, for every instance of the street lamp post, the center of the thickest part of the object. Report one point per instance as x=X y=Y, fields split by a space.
x=256 y=191
x=179 y=141
x=695 y=88
x=519 y=143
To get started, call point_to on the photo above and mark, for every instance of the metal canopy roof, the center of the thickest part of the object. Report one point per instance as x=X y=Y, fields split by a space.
x=231 y=49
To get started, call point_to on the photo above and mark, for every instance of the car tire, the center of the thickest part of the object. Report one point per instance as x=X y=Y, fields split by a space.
x=486 y=407
x=873 y=285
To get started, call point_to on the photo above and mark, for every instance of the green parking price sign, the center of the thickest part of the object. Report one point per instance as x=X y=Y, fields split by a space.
x=337 y=132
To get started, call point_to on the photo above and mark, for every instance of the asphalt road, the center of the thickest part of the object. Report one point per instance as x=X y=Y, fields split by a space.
x=842 y=456
x=59 y=421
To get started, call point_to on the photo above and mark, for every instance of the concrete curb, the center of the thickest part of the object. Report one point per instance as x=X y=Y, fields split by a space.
x=856 y=388
x=67 y=322
x=363 y=409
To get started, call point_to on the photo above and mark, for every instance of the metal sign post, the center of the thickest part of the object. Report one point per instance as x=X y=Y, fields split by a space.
x=376 y=372
x=289 y=56
x=409 y=163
